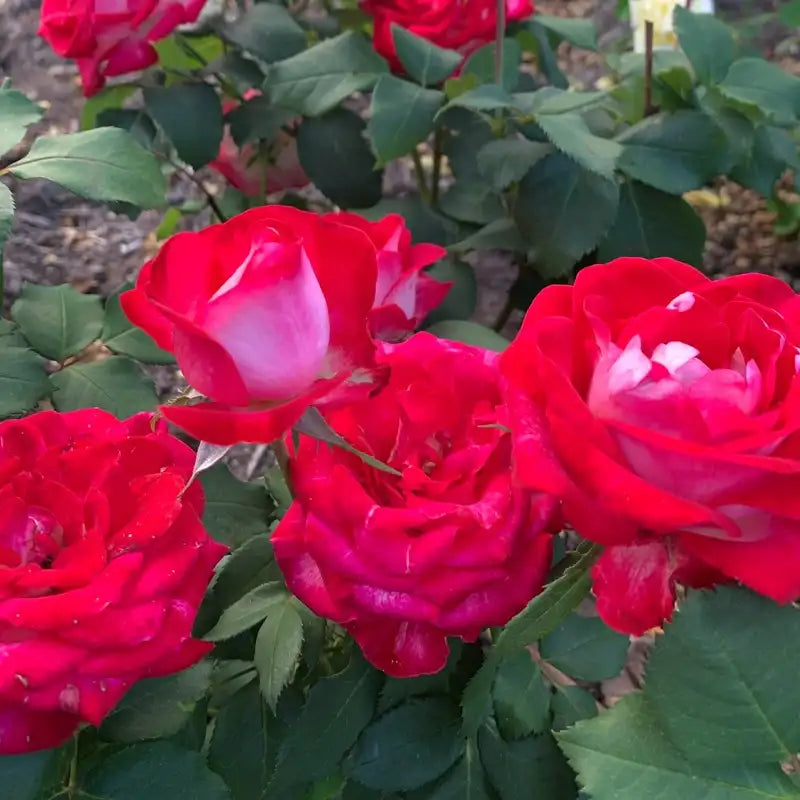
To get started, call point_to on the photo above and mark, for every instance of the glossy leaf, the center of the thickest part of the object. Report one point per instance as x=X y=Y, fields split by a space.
x=16 y=114
x=335 y=154
x=707 y=42
x=422 y=60
x=318 y=79
x=722 y=679
x=58 y=321
x=190 y=115
x=234 y=511
x=624 y=754
x=23 y=381
x=277 y=650
x=156 y=770
x=401 y=116
x=337 y=709
x=157 y=707
x=387 y=755
x=248 y=610
x=115 y=384
x=101 y=164
x=268 y=31
x=521 y=699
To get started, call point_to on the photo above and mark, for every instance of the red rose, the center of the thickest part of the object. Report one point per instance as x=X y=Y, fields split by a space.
x=266 y=315
x=671 y=406
x=248 y=171
x=463 y=25
x=111 y=38
x=404 y=295
x=104 y=564
x=447 y=547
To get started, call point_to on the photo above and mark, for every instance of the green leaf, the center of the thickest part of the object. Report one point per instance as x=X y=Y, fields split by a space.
x=502 y=234
x=10 y=335
x=542 y=42
x=652 y=224
x=481 y=64
x=532 y=762
x=570 y=134
x=577 y=31
x=462 y=298
x=239 y=744
x=6 y=218
x=58 y=321
x=401 y=116
x=190 y=115
x=123 y=338
x=756 y=82
x=550 y=100
x=571 y=704
x=624 y=754
x=115 y=384
x=673 y=152
x=505 y=161
x=465 y=781
x=586 y=649
x=108 y=98
x=187 y=52
x=789 y=14
x=101 y=164
x=388 y=754
x=467 y=332
x=257 y=118
x=546 y=611
x=248 y=610
x=466 y=134
x=472 y=201
x=157 y=771
x=771 y=152
x=16 y=114
x=476 y=701
x=135 y=121
x=707 y=42
x=398 y=690
x=318 y=79
x=30 y=773
x=277 y=650
x=556 y=192
x=521 y=699
x=490 y=97
x=157 y=707
x=336 y=156
x=234 y=511
x=422 y=60
x=723 y=678
x=242 y=570
x=267 y=31
x=336 y=711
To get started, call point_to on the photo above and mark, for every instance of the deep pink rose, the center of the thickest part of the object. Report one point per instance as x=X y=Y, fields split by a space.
x=266 y=315
x=404 y=295
x=111 y=38
x=446 y=548
x=252 y=173
x=671 y=416
x=463 y=25
x=103 y=564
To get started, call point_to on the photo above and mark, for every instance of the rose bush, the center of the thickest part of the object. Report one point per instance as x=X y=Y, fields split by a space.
x=268 y=313
x=455 y=24
x=446 y=547
x=107 y=39
x=671 y=408
x=247 y=170
x=104 y=564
